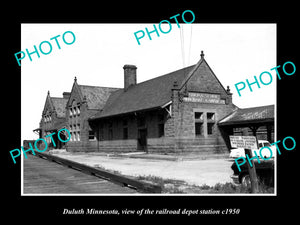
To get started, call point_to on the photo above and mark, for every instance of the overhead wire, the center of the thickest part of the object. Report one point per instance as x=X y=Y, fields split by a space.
x=191 y=35
x=182 y=45
x=184 y=49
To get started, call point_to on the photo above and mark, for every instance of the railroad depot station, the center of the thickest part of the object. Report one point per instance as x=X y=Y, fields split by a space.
x=184 y=111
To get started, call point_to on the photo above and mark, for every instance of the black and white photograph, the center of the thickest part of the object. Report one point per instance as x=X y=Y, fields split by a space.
x=169 y=116
x=159 y=113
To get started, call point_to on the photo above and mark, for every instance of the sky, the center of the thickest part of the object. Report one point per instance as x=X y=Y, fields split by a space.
x=235 y=52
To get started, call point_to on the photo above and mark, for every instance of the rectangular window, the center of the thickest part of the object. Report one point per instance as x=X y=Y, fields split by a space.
x=91 y=135
x=199 y=115
x=211 y=116
x=210 y=122
x=198 y=123
x=74 y=111
x=210 y=128
x=74 y=136
x=78 y=110
x=78 y=136
x=198 y=128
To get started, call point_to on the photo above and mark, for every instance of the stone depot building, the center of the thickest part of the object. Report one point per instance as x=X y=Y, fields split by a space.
x=184 y=111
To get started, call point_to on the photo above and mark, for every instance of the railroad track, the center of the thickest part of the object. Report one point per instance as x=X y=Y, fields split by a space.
x=124 y=181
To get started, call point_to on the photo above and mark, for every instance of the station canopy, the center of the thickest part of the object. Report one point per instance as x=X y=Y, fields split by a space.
x=262 y=115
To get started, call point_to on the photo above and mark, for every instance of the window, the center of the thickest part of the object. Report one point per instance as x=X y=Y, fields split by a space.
x=210 y=128
x=78 y=110
x=210 y=122
x=78 y=136
x=198 y=123
x=210 y=116
x=74 y=122
x=47 y=119
x=198 y=129
x=91 y=135
x=199 y=115
x=74 y=111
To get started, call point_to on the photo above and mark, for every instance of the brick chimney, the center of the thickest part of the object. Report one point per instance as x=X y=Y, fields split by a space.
x=66 y=95
x=129 y=76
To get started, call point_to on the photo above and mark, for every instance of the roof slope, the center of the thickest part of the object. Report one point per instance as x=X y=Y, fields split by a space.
x=96 y=97
x=157 y=92
x=249 y=115
x=145 y=95
x=59 y=105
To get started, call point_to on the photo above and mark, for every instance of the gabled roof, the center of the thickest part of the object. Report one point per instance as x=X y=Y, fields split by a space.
x=249 y=115
x=156 y=92
x=149 y=94
x=56 y=105
x=95 y=96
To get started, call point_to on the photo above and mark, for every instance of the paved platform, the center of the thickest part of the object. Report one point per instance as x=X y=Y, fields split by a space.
x=194 y=171
x=44 y=177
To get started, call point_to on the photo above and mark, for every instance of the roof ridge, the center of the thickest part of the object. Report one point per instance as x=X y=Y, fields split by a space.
x=262 y=106
x=166 y=74
x=83 y=85
x=57 y=97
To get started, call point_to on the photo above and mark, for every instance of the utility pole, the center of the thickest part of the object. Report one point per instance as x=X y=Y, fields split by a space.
x=252 y=170
x=252 y=173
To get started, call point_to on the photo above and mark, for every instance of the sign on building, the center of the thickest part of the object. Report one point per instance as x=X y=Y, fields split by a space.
x=248 y=142
x=204 y=98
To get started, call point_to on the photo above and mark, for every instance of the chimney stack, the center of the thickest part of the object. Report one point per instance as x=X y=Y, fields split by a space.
x=129 y=76
x=66 y=95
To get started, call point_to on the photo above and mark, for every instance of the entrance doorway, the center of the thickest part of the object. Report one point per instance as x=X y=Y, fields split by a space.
x=142 y=139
